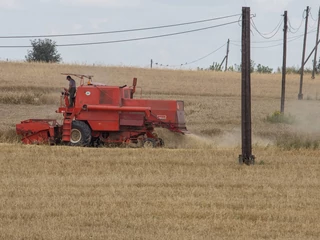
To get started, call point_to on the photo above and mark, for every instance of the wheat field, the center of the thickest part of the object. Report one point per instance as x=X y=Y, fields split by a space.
x=193 y=188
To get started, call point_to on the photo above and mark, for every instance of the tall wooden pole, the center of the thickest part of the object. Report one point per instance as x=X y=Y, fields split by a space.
x=227 y=56
x=151 y=63
x=246 y=133
x=284 y=63
x=315 y=53
x=300 y=95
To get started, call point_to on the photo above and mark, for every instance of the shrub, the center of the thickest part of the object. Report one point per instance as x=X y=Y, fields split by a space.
x=291 y=141
x=278 y=117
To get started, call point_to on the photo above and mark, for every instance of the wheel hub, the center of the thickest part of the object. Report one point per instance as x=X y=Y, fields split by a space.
x=75 y=136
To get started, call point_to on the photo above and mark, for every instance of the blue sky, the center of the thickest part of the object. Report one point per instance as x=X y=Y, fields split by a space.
x=37 y=17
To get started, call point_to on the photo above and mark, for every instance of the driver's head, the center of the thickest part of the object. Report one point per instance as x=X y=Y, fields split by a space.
x=68 y=77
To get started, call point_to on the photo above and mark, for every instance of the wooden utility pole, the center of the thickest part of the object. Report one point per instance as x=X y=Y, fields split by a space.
x=151 y=63
x=227 y=56
x=246 y=133
x=222 y=62
x=311 y=53
x=300 y=95
x=315 y=53
x=284 y=63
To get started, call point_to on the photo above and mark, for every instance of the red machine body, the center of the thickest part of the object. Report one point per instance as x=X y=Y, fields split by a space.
x=106 y=115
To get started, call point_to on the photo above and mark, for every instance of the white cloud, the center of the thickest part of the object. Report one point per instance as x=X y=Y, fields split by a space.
x=102 y=3
x=9 y=4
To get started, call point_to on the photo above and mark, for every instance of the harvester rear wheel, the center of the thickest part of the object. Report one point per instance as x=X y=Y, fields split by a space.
x=80 y=134
x=160 y=142
x=149 y=143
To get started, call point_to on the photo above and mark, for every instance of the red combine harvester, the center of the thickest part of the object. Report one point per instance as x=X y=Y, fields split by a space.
x=106 y=115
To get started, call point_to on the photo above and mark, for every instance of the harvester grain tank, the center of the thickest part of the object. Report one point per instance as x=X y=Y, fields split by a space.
x=106 y=115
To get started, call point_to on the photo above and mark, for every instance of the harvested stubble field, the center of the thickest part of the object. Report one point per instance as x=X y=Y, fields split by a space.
x=191 y=189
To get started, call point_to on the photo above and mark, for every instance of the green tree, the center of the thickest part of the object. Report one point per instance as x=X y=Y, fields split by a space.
x=43 y=51
x=263 y=69
x=252 y=66
x=231 y=69
x=215 y=67
x=238 y=68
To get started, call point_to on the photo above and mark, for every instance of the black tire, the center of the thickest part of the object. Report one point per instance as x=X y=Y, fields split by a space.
x=149 y=143
x=160 y=142
x=80 y=134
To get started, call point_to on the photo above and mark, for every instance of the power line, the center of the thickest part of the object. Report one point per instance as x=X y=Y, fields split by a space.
x=279 y=44
x=130 y=39
x=274 y=40
x=292 y=29
x=267 y=41
x=275 y=45
x=194 y=61
x=295 y=30
x=121 y=31
x=199 y=59
x=315 y=20
x=276 y=30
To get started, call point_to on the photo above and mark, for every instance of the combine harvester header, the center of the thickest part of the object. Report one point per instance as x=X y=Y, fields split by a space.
x=106 y=115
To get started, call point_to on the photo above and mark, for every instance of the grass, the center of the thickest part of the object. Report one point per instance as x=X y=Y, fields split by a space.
x=193 y=188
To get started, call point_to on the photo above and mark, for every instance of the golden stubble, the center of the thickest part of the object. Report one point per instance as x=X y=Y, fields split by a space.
x=81 y=193
x=191 y=189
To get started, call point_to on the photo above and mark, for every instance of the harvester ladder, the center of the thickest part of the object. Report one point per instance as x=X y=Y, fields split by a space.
x=67 y=125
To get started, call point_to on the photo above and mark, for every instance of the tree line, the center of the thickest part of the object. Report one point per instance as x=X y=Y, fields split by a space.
x=259 y=68
x=45 y=50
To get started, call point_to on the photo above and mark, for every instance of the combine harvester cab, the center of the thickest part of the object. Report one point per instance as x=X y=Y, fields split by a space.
x=106 y=115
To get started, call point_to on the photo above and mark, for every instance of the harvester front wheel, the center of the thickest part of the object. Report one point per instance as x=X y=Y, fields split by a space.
x=149 y=143
x=80 y=134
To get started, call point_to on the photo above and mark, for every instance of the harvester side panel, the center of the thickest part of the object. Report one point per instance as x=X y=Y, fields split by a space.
x=100 y=120
x=132 y=119
x=162 y=111
x=104 y=125
x=94 y=95
x=98 y=116
x=87 y=95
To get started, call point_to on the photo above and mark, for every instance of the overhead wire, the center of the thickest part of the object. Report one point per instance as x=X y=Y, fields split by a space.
x=291 y=39
x=268 y=41
x=276 y=30
x=315 y=20
x=130 y=39
x=120 y=31
x=279 y=44
x=277 y=40
x=194 y=61
x=293 y=30
x=209 y=54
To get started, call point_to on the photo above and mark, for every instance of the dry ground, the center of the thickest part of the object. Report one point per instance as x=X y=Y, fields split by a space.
x=192 y=189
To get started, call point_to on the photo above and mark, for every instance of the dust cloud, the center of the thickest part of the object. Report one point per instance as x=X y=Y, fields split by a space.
x=231 y=139
x=306 y=114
